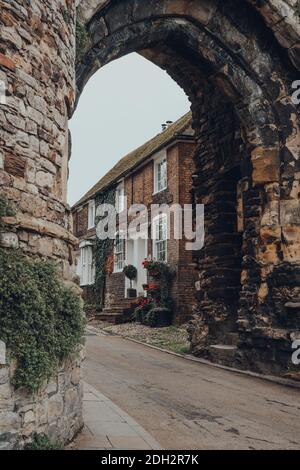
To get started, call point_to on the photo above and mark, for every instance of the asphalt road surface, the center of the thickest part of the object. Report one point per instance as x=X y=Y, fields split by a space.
x=187 y=405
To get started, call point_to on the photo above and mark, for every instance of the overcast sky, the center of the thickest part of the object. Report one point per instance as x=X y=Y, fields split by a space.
x=122 y=106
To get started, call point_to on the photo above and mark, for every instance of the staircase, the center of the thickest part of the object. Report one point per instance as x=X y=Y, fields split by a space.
x=117 y=314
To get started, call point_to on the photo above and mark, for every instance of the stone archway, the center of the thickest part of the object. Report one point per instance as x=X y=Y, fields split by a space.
x=236 y=61
x=234 y=70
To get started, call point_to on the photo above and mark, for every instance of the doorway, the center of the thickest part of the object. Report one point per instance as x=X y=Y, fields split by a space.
x=136 y=253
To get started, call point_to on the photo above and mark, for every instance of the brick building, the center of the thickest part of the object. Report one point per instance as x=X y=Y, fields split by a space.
x=159 y=172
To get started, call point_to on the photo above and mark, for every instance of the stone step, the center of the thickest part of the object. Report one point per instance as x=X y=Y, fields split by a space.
x=109 y=310
x=222 y=353
x=115 y=318
x=232 y=339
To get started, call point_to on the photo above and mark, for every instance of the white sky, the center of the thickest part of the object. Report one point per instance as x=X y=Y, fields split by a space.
x=122 y=106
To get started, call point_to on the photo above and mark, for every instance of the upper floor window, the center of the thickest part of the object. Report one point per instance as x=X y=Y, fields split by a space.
x=160 y=174
x=120 y=198
x=160 y=236
x=120 y=254
x=91 y=214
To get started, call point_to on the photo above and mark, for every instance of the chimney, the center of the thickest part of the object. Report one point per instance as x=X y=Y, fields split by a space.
x=166 y=125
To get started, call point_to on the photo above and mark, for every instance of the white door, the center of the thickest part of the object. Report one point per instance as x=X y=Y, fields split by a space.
x=141 y=254
x=136 y=253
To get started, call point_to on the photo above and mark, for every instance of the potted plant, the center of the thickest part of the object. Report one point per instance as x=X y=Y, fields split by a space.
x=151 y=267
x=130 y=272
x=156 y=269
x=142 y=310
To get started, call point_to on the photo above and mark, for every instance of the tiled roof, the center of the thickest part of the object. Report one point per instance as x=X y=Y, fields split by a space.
x=133 y=159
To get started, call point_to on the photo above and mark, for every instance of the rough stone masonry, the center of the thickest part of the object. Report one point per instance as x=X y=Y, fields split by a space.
x=236 y=60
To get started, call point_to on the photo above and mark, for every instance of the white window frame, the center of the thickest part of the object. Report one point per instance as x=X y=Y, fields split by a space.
x=158 y=185
x=120 y=198
x=160 y=237
x=91 y=214
x=119 y=251
x=87 y=264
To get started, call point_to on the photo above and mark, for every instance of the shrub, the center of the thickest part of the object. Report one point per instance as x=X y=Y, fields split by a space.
x=158 y=317
x=130 y=272
x=141 y=311
x=163 y=275
x=41 y=320
x=42 y=442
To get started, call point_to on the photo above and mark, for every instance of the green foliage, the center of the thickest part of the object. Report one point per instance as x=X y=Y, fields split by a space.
x=42 y=442
x=158 y=317
x=41 y=320
x=152 y=318
x=66 y=16
x=163 y=272
x=130 y=272
x=6 y=209
x=142 y=310
x=103 y=249
x=81 y=41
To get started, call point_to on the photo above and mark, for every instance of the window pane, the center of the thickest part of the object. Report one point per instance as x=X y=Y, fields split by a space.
x=162 y=175
x=160 y=241
x=119 y=253
x=91 y=216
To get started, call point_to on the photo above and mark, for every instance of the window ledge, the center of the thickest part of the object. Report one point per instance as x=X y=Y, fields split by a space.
x=160 y=191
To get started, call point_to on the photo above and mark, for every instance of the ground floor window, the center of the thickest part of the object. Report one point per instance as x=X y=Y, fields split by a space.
x=160 y=235
x=87 y=267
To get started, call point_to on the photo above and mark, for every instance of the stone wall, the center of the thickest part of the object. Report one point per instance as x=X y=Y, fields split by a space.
x=37 y=53
x=55 y=411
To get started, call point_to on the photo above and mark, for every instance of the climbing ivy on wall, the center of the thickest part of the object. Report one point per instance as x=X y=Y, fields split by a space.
x=81 y=40
x=103 y=250
x=41 y=320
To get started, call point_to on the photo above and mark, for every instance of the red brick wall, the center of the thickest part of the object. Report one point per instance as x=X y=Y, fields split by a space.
x=80 y=222
x=183 y=291
x=115 y=289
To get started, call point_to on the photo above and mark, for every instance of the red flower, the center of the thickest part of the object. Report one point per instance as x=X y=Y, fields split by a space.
x=153 y=287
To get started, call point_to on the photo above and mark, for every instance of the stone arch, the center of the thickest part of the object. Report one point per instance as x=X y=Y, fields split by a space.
x=237 y=55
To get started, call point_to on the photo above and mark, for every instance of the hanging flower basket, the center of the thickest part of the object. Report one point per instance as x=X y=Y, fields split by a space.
x=156 y=269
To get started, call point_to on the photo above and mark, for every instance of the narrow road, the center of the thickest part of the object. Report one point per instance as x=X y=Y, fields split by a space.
x=186 y=405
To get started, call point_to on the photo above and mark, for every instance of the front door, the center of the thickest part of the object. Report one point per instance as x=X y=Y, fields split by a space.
x=136 y=253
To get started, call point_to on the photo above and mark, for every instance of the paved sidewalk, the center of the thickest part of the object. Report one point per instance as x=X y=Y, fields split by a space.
x=108 y=427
